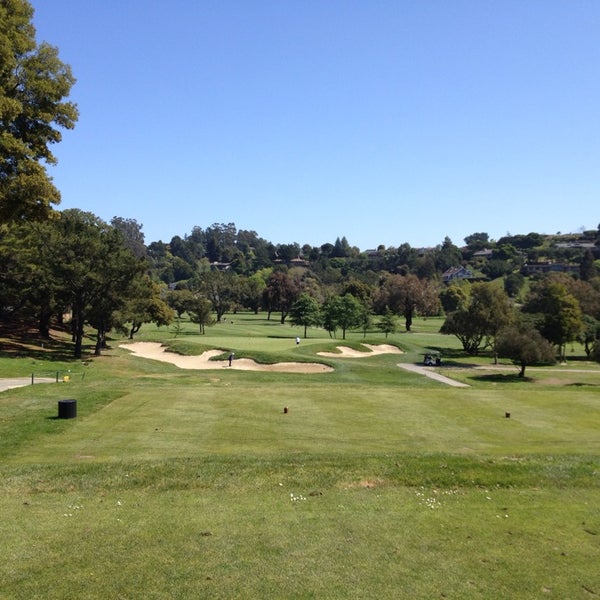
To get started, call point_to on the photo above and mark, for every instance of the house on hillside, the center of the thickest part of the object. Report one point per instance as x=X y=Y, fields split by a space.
x=454 y=273
x=220 y=266
x=584 y=245
x=299 y=261
x=548 y=267
x=485 y=253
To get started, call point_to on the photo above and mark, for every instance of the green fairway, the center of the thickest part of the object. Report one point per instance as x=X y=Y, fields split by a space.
x=366 y=482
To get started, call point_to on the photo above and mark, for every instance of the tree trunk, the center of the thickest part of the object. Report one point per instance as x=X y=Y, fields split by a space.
x=99 y=342
x=44 y=324
x=135 y=327
x=78 y=335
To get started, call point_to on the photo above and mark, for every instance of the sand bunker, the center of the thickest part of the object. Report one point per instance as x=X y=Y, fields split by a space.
x=345 y=352
x=156 y=351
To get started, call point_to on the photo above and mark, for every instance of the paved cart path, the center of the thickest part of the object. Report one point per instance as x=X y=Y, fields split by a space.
x=429 y=372
x=15 y=382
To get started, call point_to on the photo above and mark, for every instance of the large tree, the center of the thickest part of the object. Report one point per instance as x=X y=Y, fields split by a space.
x=94 y=269
x=252 y=290
x=407 y=295
x=524 y=345
x=34 y=85
x=199 y=310
x=28 y=289
x=305 y=312
x=477 y=324
x=281 y=292
x=220 y=287
x=144 y=304
x=345 y=312
x=557 y=313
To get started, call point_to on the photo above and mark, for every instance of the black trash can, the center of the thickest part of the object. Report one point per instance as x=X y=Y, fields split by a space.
x=67 y=409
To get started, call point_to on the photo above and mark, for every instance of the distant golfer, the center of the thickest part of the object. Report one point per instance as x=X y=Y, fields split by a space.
x=231 y=358
x=297 y=340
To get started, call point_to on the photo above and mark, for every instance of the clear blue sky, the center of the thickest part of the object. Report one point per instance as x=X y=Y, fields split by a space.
x=385 y=121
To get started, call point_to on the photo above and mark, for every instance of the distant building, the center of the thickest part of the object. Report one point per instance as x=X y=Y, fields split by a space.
x=485 y=253
x=548 y=267
x=371 y=253
x=454 y=273
x=583 y=245
x=220 y=266
x=299 y=261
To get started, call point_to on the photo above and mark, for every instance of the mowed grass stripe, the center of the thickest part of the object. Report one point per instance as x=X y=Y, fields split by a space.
x=229 y=418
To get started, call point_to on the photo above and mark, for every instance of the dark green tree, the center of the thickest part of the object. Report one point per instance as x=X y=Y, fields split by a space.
x=220 y=287
x=305 y=312
x=406 y=296
x=252 y=290
x=280 y=294
x=94 y=270
x=587 y=268
x=132 y=233
x=448 y=255
x=343 y=312
x=513 y=284
x=477 y=241
x=179 y=300
x=199 y=310
x=34 y=84
x=477 y=324
x=590 y=334
x=144 y=304
x=27 y=289
x=558 y=313
x=454 y=297
x=524 y=345
x=388 y=322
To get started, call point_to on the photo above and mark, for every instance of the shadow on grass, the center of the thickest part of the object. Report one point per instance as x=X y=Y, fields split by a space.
x=502 y=378
x=457 y=364
x=51 y=350
x=21 y=341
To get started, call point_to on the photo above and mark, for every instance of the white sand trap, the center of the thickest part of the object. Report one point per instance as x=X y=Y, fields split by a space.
x=345 y=352
x=156 y=351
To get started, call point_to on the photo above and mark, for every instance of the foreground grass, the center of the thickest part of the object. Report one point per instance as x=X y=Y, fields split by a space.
x=375 y=484
x=402 y=526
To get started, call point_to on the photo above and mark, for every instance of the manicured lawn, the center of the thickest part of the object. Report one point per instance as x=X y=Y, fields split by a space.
x=376 y=483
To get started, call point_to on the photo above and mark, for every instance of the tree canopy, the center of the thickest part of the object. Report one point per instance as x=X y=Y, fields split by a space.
x=524 y=345
x=34 y=85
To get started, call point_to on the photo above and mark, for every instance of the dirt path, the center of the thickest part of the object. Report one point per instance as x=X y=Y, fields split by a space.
x=429 y=372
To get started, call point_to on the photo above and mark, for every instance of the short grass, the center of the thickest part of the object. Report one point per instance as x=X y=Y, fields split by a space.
x=376 y=482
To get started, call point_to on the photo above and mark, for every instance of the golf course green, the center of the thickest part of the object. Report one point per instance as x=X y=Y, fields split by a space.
x=350 y=477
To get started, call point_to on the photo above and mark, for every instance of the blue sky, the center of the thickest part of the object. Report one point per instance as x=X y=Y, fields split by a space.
x=306 y=120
